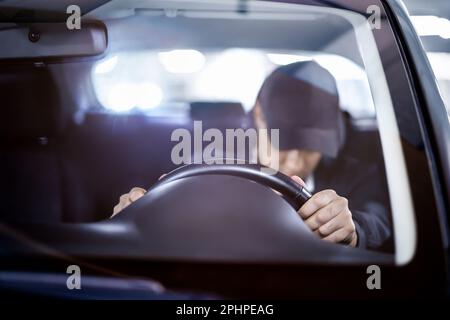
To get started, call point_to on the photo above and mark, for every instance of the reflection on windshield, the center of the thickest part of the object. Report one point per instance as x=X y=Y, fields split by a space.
x=149 y=80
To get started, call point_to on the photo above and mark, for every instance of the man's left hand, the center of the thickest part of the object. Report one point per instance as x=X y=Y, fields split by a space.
x=327 y=215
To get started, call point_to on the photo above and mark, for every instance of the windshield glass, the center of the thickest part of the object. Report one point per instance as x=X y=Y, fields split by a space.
x=296 y=89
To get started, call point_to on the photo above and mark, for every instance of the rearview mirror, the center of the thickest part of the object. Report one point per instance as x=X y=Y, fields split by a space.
x=52 y=41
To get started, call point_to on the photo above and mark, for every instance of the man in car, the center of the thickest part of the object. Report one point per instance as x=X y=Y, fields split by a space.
x=349 y=201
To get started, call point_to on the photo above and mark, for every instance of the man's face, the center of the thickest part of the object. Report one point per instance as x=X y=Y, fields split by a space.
x=291 y=162
x=298 y=162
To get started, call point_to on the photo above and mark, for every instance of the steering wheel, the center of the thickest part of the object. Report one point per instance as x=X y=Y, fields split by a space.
x=219 y=212
x=212 y=213
x=292 y=192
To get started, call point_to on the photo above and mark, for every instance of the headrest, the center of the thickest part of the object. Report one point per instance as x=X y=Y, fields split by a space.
x=216 y=110
x=29 y=102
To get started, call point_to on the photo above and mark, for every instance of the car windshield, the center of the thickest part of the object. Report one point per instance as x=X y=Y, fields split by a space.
x=299 y=89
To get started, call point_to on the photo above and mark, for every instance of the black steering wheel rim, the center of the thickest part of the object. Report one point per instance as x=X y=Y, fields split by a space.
x=291 y=191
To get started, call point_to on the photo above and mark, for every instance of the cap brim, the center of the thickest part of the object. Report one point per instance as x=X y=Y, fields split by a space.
x=322 y=140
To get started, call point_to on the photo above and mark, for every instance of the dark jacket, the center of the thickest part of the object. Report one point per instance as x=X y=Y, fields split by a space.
x=364 y=185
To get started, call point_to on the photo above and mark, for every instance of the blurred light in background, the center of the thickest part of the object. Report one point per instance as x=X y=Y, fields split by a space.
x=282 y=59
x=164 y=83
x=431 y=26
x=440 y=62
x=340 y=67
x=119 y=97
x=126 y=96
x=182 y=61
x=148 y=95
x=232 y=75
x=106 y=66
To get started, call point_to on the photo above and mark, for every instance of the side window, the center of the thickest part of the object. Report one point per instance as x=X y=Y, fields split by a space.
x=432 y=24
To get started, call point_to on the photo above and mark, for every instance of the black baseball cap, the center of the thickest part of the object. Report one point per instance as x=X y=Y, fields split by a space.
x=301 y=100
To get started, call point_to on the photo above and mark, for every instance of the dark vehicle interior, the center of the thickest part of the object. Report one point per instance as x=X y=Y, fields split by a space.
x=66 y=155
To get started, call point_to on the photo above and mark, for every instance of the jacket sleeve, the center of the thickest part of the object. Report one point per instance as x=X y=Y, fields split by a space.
x=369 y=204
x=372 y=226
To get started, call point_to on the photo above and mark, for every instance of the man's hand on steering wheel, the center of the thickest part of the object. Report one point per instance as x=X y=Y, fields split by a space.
x=326 y=214
x=128 y=198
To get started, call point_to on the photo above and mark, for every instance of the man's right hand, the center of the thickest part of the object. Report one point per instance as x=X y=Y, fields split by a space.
x=128 y=198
